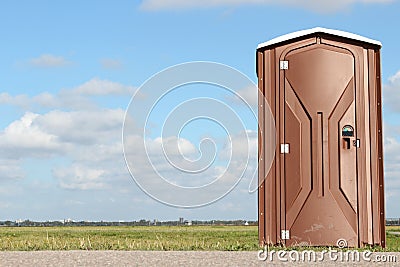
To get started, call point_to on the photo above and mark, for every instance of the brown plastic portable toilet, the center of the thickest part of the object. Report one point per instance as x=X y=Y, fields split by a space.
x=325 y=184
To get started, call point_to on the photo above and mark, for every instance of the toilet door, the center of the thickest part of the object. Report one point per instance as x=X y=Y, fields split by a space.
x=320 y=146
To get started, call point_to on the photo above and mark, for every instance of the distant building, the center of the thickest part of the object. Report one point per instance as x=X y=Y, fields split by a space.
x=393 y=221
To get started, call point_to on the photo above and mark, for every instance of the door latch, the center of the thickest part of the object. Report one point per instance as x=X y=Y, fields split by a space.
x=356 y=142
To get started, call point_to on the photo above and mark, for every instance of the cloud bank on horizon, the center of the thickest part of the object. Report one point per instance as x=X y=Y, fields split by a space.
x=314 y=5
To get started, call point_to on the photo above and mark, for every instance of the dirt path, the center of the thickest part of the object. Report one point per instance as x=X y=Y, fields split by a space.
x=161 y=258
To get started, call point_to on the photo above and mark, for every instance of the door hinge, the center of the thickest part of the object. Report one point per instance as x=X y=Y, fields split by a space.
x=285 y=234
x=284 y=148
x=284 y=64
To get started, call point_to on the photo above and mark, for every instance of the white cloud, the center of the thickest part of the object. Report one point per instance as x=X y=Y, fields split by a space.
x=49 y=61
x=83 y=127
x=315 y=5
x=102 y=87
x=246 y=144
x=111 y=64
x=246 y=96
x=391 y=131
x=173 y=146
x=77 y=98
x=224 y=171
x=19 y=100
x=90 y=138
x=89 y=141
x=165 y=156
x=10 y=169
x=45 y=100
x=83 y=140
x=391 y=93
x=80 y=177
x=392 y=174
x=84 y=134
x=60 y=132
x=22 y=138
x=395 y=78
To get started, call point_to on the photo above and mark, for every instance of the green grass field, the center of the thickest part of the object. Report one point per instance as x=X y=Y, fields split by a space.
x=130 y=238
x=228 y=238
x=392 y=241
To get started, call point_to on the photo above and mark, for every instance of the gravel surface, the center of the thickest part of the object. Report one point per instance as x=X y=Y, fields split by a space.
x=163 y=258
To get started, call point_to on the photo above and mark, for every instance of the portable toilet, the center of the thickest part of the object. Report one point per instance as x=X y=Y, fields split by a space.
x=325 y=185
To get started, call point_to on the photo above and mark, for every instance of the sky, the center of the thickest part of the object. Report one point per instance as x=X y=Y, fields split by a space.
x=69 y=70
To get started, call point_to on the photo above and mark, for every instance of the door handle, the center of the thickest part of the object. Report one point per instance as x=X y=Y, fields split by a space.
x=347 y=142
x=347 y=135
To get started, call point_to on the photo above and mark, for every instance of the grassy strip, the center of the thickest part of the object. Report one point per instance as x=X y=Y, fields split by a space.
x=227 y=238
x=129 y=238
x=392 y=241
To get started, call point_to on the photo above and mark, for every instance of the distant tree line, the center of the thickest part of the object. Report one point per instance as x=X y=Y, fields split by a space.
x=395 y=222
x=141 y=222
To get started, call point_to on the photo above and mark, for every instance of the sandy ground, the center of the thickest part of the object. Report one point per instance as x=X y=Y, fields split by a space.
x=168 y=258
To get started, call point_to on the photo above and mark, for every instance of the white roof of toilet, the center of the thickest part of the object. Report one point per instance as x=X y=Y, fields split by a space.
x=297 y=34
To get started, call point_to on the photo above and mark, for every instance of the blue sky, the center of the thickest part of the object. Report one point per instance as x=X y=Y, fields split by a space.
x=68 y=71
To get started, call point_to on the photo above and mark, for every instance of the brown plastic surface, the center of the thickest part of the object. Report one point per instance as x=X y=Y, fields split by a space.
x=327 y=187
